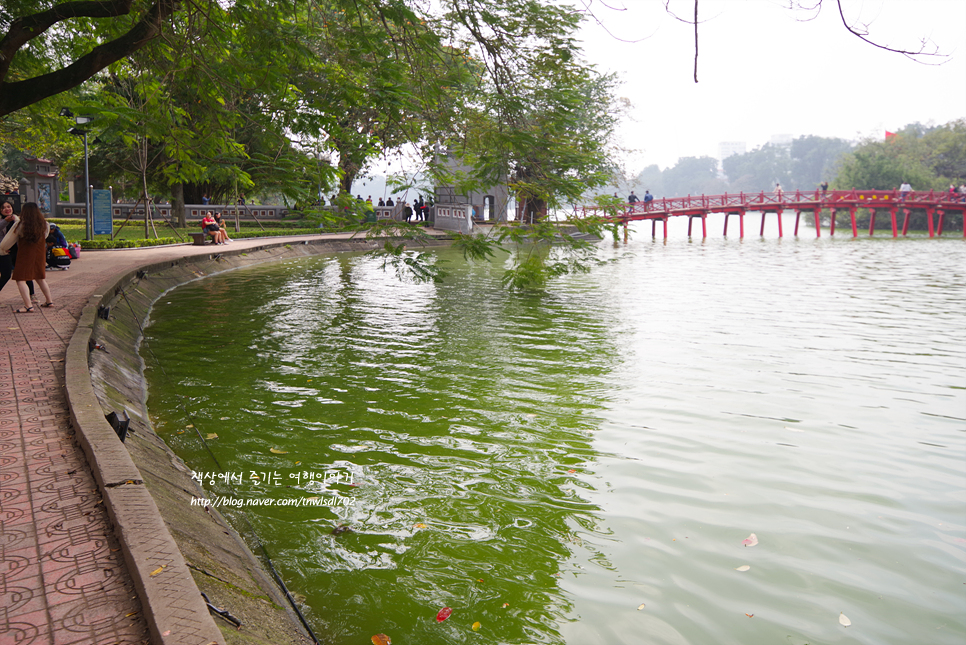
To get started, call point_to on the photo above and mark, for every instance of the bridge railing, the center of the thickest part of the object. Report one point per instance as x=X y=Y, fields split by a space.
x=695 y=204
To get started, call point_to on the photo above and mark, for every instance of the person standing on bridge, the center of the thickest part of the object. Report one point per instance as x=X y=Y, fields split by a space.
x=778 y=191
x=632 y=198
x=904 y=190
x=824 y=187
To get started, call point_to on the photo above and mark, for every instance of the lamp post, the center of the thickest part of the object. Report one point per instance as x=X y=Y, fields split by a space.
x=89 y=216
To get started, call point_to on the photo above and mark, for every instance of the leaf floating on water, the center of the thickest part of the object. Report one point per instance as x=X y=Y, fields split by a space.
x=380 y=639
x=211 y=435
x=476 y=626
x=190 y=425
x=571 y=471
x=225 y=418
x=743 y=567
x=844 y=620
x=750 y=615
x=443 y=614
x=751 y=540
x=505 y=605
x=640 y=607
x=277 y=451
x=419 y=525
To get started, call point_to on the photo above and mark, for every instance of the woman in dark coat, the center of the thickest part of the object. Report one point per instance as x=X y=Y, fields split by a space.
x=30 y=236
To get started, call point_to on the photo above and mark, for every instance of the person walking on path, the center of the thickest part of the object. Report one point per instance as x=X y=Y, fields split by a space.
x=30 y=236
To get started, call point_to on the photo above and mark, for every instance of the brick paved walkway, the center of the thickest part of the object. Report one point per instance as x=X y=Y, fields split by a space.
x=62 y=578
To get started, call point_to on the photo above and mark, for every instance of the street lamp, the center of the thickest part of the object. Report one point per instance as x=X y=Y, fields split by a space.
x=83 y=120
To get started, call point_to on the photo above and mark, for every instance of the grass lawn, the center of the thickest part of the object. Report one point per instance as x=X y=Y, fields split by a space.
x=74 y=230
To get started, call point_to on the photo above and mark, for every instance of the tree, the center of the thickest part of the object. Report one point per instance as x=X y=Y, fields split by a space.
x=40 y=75
x=927 y=159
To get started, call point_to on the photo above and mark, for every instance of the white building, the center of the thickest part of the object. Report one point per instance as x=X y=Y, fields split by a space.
x=728 y=148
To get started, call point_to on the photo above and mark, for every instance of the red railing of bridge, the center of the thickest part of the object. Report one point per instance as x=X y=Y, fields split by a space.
x=933 y=202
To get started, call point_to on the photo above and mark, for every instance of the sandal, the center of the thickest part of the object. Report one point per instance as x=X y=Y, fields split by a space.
x=23 y=310
x=47 y=304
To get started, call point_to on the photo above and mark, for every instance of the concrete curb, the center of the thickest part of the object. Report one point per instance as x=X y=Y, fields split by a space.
x=171 y=602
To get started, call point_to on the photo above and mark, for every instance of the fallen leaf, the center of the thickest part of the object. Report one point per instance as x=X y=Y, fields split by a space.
x=211 y=435
x=505 y=605
x=571 y=471
x=844 y=620
x=380 y=639
x=640 y=607
x=190 y=425
x=743 y=567
x=750 y=615
x=297 y=463
x=277 y=451
x=167 y=633
x=476 y=626
x=443 y=614
x=751 y=540
x=158 y=570
x=419 y=525
x=130 y=614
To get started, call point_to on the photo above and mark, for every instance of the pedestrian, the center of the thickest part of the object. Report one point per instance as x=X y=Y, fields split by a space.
x=778 y=191
x=407 y=212
x=904 y=190
x=7 y=262
x=30 y=236
x=824 y=187
x=632 y=198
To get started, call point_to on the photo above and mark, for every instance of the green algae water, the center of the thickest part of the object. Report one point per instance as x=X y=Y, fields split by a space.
x=586 y=466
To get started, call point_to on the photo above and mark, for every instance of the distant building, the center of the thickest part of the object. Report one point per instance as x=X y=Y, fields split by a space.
x=781 y=140
x=728 y=148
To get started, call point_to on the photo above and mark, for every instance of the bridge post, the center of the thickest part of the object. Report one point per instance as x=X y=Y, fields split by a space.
x=779 y=214
x=832 y=228
x=741 y=222
x=665 y=226
x=625 y=231
x=939 y=230
x=929 y=212
x=798 y=214
x=704 y=226
x=762 y=231
x=690 y=219
x=855 y=230
x=818 y=221
x=905 y=221
x=653 y=228
x=895 y=231
x=726 y=224
x=871 y=221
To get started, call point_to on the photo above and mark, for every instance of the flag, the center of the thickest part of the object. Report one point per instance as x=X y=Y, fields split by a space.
x=890 y=135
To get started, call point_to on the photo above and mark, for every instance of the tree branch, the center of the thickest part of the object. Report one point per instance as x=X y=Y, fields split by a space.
x=14 y=96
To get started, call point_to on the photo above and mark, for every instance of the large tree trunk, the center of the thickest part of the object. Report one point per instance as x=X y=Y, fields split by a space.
x=177 y=205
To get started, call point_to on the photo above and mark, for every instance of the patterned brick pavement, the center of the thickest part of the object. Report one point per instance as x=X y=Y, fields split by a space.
x=62 y=578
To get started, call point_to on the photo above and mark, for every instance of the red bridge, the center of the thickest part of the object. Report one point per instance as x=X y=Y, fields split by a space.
x=935 y=204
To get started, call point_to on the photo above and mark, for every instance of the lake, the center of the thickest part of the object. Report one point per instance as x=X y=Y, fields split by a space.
x=587 y=466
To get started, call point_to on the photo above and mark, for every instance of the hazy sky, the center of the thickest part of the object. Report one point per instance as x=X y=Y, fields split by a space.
x=763 y=71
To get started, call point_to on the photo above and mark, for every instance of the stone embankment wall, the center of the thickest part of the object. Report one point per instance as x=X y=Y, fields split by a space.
x=173 y=549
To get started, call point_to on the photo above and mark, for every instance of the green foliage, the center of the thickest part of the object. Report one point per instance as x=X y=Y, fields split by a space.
x=929 y=159
x=128 y=244
x=417 y=266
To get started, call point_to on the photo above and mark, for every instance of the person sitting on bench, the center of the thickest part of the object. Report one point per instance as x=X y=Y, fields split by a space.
x=210 y=226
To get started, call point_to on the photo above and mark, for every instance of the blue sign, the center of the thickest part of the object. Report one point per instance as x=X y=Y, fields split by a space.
x=103 y=222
